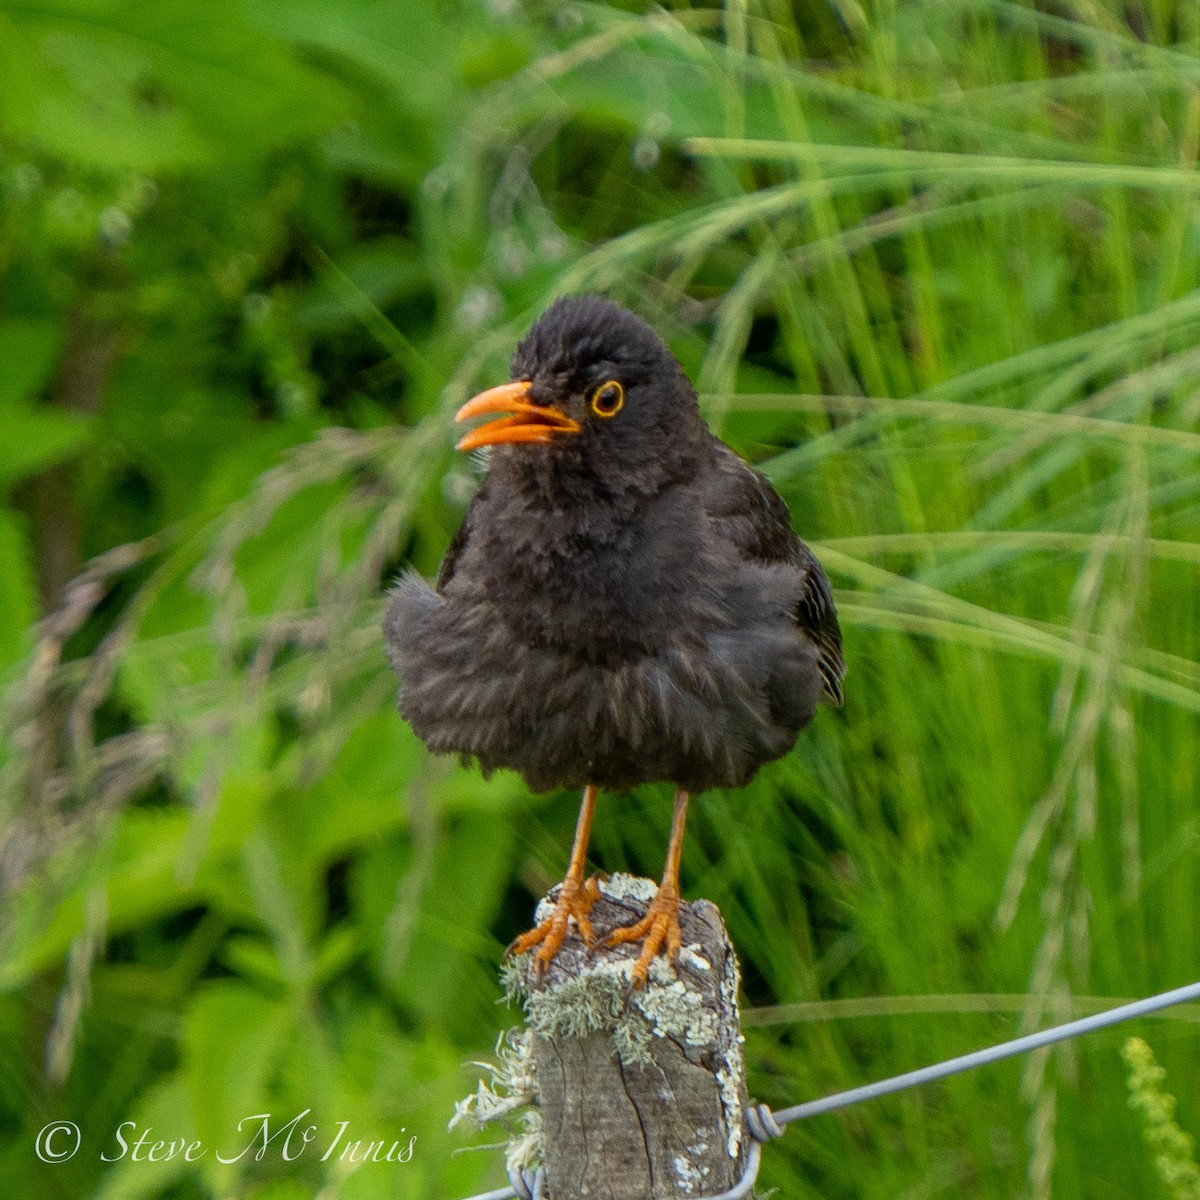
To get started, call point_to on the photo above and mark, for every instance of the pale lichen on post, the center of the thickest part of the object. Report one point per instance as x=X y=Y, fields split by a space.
x=639 y=1093
x=508 y=1095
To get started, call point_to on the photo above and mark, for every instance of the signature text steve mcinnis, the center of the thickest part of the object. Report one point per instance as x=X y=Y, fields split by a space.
x=255 y=1138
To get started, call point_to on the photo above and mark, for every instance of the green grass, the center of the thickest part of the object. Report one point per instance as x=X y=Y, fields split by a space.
x=936 y=267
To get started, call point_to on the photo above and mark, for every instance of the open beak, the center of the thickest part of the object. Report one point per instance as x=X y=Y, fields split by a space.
x=529 y=422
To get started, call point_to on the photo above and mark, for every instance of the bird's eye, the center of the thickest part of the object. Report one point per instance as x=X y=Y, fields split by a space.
x=608 y=399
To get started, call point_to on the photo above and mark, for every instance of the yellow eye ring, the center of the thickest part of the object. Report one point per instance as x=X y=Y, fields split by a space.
x=608 y=399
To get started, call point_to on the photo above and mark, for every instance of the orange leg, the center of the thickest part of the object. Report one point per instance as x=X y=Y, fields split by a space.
x=661 y=922
x=575 y=897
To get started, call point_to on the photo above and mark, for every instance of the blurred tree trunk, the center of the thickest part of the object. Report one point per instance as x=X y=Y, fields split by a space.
x=89 y=355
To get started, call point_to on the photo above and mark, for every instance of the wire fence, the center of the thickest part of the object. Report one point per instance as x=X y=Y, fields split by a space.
x=763 y=1124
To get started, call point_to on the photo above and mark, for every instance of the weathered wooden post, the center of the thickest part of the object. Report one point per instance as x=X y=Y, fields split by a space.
x=639 y=1094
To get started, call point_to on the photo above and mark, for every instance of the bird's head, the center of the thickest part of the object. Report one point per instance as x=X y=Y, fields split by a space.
x=595 y=392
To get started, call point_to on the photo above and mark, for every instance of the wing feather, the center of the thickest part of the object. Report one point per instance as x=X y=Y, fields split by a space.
x=756 y=520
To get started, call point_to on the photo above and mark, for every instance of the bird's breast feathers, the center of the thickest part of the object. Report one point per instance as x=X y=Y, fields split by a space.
x=611 y=660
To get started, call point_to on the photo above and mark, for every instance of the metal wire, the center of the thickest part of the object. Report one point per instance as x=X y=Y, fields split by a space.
x=749 y=1175
x=762 y=1123
x=739 y=1190
x=526 y=1184
x=981 y=1058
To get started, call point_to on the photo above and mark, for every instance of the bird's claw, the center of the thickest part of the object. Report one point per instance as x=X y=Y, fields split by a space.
x=575 y=900
x=659 y=925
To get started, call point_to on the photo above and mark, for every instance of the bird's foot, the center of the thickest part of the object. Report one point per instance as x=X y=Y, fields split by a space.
x=575 y=900
x=659 y=925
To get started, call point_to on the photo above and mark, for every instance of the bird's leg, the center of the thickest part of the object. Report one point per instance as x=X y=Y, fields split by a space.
x=575 y=897
x=661 y=922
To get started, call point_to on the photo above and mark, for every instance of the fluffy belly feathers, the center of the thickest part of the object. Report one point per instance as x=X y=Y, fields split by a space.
x=702 y=713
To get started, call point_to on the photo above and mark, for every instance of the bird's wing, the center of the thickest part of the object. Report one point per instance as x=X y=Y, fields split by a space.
x=754 y=517
x=816 y=616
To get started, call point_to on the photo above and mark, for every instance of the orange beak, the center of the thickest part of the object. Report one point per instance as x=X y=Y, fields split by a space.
x=529 y=423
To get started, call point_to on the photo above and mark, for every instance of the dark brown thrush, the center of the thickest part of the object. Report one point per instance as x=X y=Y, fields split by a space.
x=625 y=601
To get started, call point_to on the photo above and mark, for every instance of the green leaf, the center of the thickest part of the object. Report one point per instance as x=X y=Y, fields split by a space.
x=34 y=439
x=28 y=350
x=430 y=934
x=137 y=866
x=115 y=83
x=18 y=591
x=232 y=1037
x=163 y=1114
x=361 y=798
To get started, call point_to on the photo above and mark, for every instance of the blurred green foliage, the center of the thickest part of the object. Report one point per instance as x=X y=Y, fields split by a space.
x=934 y=265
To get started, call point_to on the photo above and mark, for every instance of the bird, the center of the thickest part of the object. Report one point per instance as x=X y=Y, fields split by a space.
x=624 y=603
